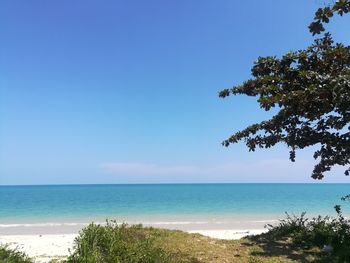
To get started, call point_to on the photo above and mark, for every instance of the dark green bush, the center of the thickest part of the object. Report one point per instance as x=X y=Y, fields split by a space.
x=319 y=231
x=115 y=243
x=341 y=239
x=8 y=255
x=291 y=226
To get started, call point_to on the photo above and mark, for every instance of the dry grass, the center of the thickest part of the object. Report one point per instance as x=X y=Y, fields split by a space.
x=185 y=247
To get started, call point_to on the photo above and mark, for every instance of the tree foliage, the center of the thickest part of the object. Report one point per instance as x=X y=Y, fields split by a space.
x=311 y=90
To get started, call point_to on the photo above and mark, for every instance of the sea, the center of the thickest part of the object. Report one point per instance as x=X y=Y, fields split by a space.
x=182 y=206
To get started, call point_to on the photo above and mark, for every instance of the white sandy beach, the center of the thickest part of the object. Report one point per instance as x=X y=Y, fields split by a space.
x=44 y=247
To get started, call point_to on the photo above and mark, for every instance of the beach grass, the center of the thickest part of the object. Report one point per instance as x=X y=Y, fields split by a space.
x=185 y=247
x=148 y=244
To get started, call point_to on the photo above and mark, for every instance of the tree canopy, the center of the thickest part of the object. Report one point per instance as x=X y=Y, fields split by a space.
x=311 y=90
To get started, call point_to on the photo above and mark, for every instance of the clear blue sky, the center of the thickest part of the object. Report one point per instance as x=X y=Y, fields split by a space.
x=126 y=91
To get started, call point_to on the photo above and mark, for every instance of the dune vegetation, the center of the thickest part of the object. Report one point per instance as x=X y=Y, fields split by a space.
x=294 y=239
x=8 y=255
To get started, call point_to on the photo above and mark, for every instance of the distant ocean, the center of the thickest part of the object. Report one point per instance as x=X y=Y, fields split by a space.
x=164 y=203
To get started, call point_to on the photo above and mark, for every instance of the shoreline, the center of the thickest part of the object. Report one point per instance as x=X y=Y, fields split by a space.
x=184 y=223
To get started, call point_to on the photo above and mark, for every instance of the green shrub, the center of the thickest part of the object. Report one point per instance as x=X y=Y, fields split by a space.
x=115 y=243
x=8 y=255
x=341 y=239
x=319 y=231
x=292 y=226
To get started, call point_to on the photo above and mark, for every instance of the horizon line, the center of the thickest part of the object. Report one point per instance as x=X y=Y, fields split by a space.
x=198 y=183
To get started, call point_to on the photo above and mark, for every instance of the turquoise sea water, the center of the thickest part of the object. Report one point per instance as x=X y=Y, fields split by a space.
x=65 y=203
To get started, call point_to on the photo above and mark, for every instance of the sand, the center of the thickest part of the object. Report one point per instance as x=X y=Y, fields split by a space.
x=44 y=247
x=229 y=234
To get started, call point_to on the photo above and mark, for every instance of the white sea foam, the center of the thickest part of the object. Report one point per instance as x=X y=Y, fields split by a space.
x=42 y=225
x=82 y=224
x=54 y=224
x=265 y=221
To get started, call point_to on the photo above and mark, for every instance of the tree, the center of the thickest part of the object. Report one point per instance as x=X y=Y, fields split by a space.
x=311 y=90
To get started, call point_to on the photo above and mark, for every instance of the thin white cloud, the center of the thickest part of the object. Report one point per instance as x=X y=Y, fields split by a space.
x=270 y=168
x=148 y=169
